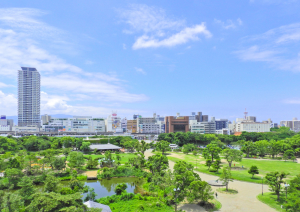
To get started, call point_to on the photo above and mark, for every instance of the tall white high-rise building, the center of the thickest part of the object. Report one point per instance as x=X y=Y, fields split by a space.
x=28 y=97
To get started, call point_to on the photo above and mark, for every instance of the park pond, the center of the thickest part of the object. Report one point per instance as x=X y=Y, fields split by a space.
x=104 y=188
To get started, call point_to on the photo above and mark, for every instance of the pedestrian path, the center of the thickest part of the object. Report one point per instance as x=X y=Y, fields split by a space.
x=244 y=201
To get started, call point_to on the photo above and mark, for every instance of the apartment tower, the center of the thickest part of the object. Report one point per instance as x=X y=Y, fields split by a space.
x=28 y=97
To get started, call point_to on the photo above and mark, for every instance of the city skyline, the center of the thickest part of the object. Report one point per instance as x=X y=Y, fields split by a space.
x=154 y=57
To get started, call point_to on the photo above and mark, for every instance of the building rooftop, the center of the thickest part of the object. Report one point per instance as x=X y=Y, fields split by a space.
x=91 y=204
x=104 y=146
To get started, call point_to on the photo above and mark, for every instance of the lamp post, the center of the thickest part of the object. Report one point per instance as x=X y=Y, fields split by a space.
x=286 y=188
x=262 y=185
x=175 y=190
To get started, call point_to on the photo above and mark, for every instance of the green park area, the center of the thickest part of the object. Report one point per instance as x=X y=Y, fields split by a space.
x=240 y=169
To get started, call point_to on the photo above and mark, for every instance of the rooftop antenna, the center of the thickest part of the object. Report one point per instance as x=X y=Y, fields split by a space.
x=246 y=113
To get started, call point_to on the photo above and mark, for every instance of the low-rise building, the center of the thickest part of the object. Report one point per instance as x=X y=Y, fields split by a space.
x=75 y=124
x=293 y=124
x=6 y=124
x=132 y=126
x=249 y=125
x=30 y=128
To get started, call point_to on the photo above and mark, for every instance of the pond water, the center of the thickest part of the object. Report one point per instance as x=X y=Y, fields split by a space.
x=105 y=188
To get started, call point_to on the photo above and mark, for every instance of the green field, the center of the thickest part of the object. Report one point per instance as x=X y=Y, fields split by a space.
x=264 y=166
x=270 y=199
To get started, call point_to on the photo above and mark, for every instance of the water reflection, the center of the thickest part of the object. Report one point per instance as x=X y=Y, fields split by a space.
x=105 y=188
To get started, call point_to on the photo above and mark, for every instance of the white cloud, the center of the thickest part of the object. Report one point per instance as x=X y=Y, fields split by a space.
x=157 y=29
x=148 y=19
x=8 y=104
x=229 y=24
x=124 y=46
x=140 y=70
x=187 y=34
x=292 y=101
x=276 y=47
x=95 y=89
x=23 y=42
x=3 y=85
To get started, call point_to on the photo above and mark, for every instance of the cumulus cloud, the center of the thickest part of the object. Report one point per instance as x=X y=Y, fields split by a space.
x=158 y=30
x=26 y=41
x=229 y=24
x=8 y=104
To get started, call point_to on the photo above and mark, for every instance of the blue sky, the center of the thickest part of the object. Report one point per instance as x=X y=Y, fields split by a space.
x=218 y=57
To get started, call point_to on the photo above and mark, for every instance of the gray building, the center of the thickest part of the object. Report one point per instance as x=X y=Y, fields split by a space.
x=28 y=97
x=221 y=124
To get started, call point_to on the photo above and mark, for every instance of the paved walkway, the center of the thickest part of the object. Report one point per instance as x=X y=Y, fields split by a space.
x=244 y=201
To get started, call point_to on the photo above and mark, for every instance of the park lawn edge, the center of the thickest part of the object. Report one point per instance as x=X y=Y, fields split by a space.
x=268 y=201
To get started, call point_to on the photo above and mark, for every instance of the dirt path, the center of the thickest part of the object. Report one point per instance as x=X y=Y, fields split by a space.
x=244 y=201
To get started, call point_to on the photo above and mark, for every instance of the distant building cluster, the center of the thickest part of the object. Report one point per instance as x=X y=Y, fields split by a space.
x=29 y=119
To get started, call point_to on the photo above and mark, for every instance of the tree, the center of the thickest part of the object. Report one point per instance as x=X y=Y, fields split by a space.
x=85 y=146
x=51 y=183
x=157 y=163
x=76 y=160
x=217 y=165
x=59 y=163
x=120 y=188
x=253 y=170
x=232 y=155
x=289 y=154
x=195 y=153
x=208 y=163
x=262 y=147
x=91 y=164
x=91 y=195
x=131 y=144
x=13 y=175
x=11 y=202
x=275 y=179
x=188 y=148
x=163 y=146
x=143 y=146
x=247 y=147
x=27 y=189
x=199 y=190
x=55 y=202
x=31 y=159
x=212 y=151
x=293 y=200
x=274 y=148
x=68 y=141
x=226 y=176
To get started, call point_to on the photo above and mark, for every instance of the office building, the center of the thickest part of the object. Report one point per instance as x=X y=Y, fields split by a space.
x=28 y=97
x=45 y=119
x=132 y=126
x=6 y=124
x=293 y=124
x=205 y=118
x=246 y=125
x=113 y=123
x=176 y=123
x=75 y=124
x=221 y=124
x=124 y=124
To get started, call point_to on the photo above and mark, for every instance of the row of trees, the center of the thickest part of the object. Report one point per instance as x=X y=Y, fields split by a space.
x=181 y=138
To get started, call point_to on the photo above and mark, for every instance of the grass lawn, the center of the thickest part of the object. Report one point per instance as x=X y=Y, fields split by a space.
x=264 y=166
x=230 y=191
x=124 y=157
x=270 y=199
x=139 y=205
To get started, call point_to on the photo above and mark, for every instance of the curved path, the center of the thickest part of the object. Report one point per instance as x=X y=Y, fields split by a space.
x=244 y=201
